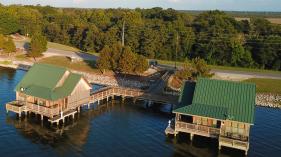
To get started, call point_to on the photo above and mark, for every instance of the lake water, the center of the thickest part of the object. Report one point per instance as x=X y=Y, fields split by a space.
x=118 y=130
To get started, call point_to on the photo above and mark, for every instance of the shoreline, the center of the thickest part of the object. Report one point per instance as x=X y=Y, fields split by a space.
x=92 y=78
x=262 y=99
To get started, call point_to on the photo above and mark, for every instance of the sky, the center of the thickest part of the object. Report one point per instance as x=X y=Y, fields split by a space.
x=229 y=5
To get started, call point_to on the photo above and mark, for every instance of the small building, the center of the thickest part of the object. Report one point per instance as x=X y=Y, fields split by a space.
x=50 y=91
x=216 y=109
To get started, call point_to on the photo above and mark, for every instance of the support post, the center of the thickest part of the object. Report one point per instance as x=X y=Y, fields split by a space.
x=98 y=102
x=88 y=105
x=78 y=109
x=191 y=137
x=42 y=117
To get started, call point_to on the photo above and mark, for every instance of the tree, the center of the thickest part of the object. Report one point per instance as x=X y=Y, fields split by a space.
x=9 y=45
x=38 y=45
x=8 y=23
x=200 y=68
x=197 y=68
x=127 y=61
x=104 y=58
x=186 y=72
x=2 y=39
x=141 y=64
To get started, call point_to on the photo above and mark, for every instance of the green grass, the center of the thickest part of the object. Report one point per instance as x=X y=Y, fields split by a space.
x=6 y=62
x=170 y=63
x=22 y=57
x=86 y=66
x=216 y=67
x=266 y=85
x=61 y=47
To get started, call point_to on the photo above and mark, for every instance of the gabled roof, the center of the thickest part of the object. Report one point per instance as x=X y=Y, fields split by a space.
x=222 y=100
x=41 y=80
x=186 y=95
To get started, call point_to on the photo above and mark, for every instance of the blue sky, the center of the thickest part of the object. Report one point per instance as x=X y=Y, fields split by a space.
x=237 y=5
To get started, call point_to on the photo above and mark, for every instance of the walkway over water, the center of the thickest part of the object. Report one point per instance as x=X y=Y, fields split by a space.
x=55 y=115
x=107 y=92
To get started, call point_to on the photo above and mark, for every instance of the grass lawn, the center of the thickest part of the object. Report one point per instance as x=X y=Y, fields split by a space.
x=6 y=62
x=244 y=69
x=22 y=57
x=216 y=67
x=86 y=66
x=266 y=85
x=61 y=47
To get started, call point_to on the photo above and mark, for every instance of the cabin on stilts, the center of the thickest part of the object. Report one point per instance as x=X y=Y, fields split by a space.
x=50 y=91
x=216 y=109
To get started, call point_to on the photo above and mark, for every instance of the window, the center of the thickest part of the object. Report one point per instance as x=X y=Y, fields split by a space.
x=194 y=119
x=199 y=120
x=204 y=121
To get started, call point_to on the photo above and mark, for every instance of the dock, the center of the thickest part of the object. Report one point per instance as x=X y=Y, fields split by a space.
x=108 y=93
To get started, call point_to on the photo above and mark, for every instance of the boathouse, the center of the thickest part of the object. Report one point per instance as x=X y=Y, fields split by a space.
x=217 y=109
x=50 y=91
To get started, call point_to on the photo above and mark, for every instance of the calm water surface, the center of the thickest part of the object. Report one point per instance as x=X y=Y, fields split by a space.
x=117 y=129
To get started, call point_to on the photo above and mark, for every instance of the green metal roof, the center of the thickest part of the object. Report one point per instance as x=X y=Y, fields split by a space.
x=187 y=92
x=41 y=80
x=216 y=112
x=234 y=100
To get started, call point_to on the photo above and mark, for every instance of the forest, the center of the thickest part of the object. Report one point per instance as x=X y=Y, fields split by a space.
x=155 y=33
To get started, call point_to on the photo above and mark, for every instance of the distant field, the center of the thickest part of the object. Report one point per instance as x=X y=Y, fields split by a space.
x=272 y=20
x=266 y=85
x=86 y=66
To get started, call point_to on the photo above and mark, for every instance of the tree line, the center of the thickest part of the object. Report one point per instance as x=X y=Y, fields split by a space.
x=155 y=33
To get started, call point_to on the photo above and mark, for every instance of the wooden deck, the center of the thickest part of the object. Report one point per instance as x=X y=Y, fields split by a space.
x=54 y=114
x=17 y=107
x=234 y=143
x=197 y=129
x=68 y=113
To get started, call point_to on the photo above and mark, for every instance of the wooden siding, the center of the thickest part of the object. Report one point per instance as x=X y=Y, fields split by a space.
x=80 y=95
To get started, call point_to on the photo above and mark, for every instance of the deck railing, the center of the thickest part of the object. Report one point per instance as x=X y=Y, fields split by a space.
x=234 y=143
x=16 y=106
x=46 y=111
x=130 y=92
x=197 y=129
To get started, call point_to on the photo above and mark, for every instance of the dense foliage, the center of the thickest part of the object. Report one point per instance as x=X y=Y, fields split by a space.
x=6 y=44
x=196 y=68
x=121 y=59
x=155 y=33
x=38 y=45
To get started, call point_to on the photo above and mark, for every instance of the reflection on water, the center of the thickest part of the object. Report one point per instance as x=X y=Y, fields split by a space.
x=120 y=129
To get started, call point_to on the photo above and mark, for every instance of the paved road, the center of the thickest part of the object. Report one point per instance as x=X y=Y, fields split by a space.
x=77 y=55
x=248 y=74
x=56 y=52
x=226 y=73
